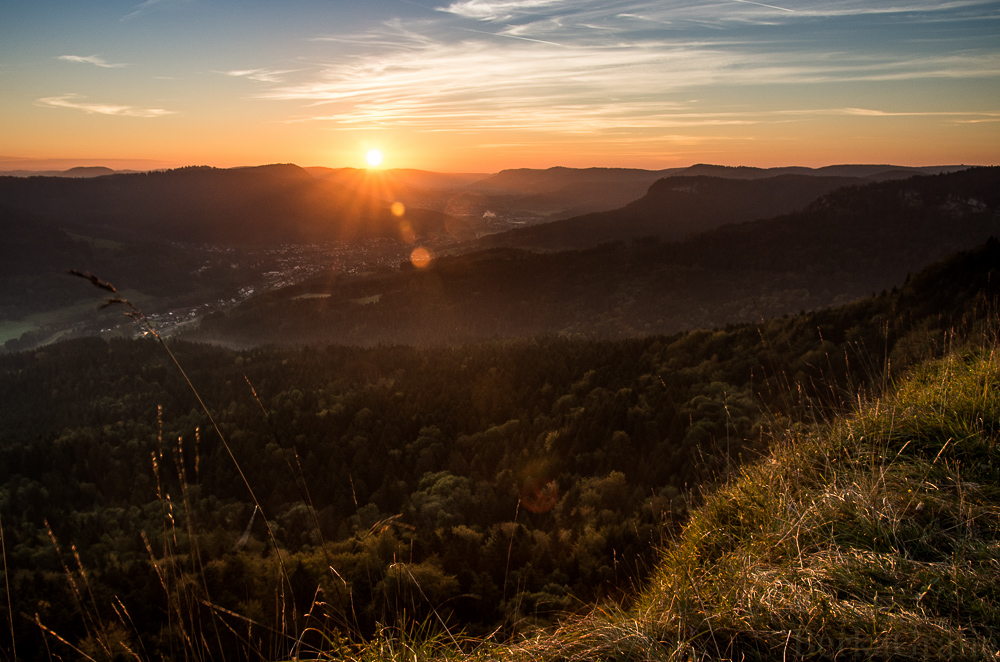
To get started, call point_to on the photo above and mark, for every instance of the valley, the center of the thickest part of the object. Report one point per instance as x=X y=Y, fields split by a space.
x=635 y=252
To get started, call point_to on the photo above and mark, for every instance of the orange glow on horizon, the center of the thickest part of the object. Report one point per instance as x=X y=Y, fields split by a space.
x=811 y=144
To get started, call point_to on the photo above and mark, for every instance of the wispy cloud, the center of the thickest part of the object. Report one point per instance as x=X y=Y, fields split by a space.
x=509 y=35
x=95 y=60
x=261 y=75
x=485 y=85
x=761 y=4
x=865 y=8
x=874 y=112
x=492 y=10
x=76 y=102
x=711 y=12
x=481 y=84
x=871 y=112
x=148 y=6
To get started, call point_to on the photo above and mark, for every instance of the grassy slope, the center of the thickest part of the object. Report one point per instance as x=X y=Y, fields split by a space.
x=873 y=537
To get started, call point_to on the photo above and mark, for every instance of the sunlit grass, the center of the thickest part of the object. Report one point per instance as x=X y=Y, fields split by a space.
x=873 y=537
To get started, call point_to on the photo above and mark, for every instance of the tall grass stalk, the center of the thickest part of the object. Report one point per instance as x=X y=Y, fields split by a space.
x=10 y=605
x=136 y=314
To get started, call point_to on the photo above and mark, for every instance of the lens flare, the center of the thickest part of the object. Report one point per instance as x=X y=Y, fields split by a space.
x=420 y=257
x=398 y=209
x=539 y=495
x=374 y=158
x=406 y=232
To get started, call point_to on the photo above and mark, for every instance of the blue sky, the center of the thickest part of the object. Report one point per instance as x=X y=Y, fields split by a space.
x=483 y=84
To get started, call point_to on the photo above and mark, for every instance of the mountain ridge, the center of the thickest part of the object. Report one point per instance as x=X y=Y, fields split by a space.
x=259 y=204
x=675 y=207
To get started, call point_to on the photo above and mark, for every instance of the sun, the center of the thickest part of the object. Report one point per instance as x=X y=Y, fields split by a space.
x=374 y=158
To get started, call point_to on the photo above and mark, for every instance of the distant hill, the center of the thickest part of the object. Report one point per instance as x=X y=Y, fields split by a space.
x=442 y=192
x=261 y=205
x=864 y=171
x=848 y=244
x=397 y=177
x=88 y=171
x=533 y=181
x=674 y=208
x=517 y=196
x=79 y=171
x=484 y=203
x=683 y=202
x=526 y=196
x=36 y=253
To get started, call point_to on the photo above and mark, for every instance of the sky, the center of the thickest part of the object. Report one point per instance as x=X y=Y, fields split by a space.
x=482 y=85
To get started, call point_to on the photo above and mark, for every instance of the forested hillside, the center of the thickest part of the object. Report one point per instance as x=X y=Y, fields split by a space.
x=35 y=254
x=526 y=195
x=498 y=483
